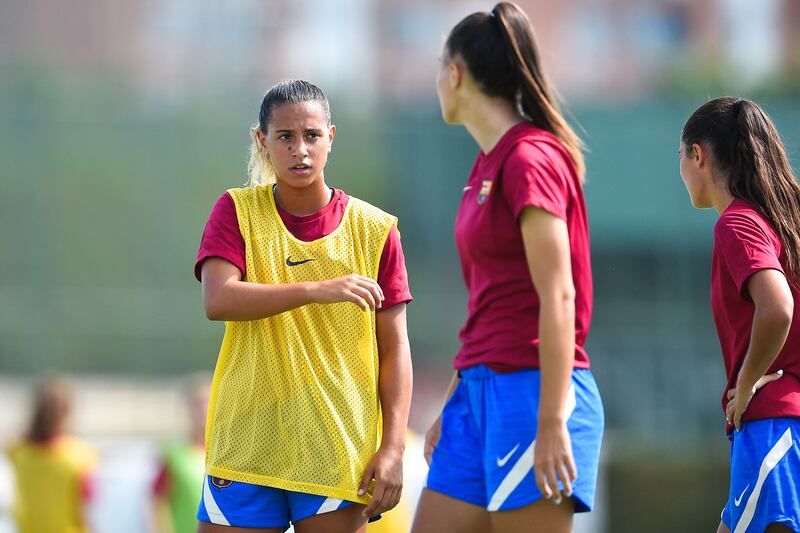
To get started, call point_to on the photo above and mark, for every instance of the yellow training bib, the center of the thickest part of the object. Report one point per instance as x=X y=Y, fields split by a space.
x=294 y=402
x=49 y=485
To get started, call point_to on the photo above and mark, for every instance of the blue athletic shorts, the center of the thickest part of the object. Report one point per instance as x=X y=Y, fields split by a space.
x=231 y=503
x=765 y=476
x=485 y=453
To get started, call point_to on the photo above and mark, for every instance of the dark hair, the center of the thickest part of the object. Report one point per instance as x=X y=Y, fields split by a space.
x=259 y=168
x=291 y=91
x=500 y=52
x=51 y=405
x=749 y=154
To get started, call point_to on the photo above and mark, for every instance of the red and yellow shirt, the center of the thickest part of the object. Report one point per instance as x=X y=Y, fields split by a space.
x=294 y=401
x=51 y=480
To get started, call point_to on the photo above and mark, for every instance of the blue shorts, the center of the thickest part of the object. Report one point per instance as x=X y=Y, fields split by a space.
x=485 y=453
x=231 y=503
x=765 y=476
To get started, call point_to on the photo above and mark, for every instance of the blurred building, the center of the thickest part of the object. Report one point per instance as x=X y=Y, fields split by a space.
x=387 y=49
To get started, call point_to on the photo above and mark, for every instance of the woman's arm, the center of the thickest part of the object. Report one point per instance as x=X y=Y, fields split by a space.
x=546 y=242
x=160 y=516
x=395 y=374
x=435 y=431
x=774 y=305
x=227 y=297
x=394 y=388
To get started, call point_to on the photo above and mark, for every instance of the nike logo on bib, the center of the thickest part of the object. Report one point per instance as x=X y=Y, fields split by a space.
x=738 y=500
x=290 y=263
x=502 y=462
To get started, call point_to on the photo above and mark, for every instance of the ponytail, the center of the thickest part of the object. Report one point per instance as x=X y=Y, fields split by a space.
x=766 y=178
x=750 y=154
x=536 y=96
x=500 y=52
x=259 y=169
x=51 y=406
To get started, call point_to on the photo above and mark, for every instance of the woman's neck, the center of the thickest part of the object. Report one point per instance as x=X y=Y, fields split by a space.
x=303 y=201
x=488 y=119
x=721 y=199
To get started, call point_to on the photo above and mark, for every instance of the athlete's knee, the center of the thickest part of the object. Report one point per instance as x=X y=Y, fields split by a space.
x=345 y=520
x=778 y=528
x=205 y=527
x=542 y=516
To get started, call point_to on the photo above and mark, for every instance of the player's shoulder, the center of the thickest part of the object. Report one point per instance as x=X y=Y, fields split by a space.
x=14 y=448
x=78 y=452
x=533 y=139
x=250 y=199
x=362 y=208
x=740 y=223
x=741 y=216
x=244 y=193
x=534 y=146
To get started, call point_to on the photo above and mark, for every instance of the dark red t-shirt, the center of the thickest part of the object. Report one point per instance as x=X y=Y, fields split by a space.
x=527 y=167
x=222 y=238
x=744 y=243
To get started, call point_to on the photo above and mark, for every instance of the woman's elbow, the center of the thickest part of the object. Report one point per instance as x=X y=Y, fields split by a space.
x=558 y=296
x=568 y=294
x=786 y=314
x=212 y=313
x=781 y=313
x=213 y=306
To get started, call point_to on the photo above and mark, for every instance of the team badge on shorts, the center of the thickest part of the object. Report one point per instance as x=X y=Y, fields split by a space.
x=221 y=483
x=486 y=188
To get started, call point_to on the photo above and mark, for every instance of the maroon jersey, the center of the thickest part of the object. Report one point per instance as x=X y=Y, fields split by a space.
x=527 y=167
x=744 y=243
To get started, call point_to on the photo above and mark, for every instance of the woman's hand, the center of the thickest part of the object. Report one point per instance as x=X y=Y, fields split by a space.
x=360 y=290
x=227 y=297
x=432 y=438
x=739 y=398
x=386 y=468
x=553 y=461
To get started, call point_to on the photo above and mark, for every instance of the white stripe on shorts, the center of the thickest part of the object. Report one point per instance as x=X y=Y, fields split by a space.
x=213 y=510
x=330 y=504
x=525 y=462
x=777 y=453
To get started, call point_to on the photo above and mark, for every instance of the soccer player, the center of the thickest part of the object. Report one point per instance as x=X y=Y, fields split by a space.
x=52 y=468
x=733 y=160
x=310 y=397
x=517 y=445
x=176 y=493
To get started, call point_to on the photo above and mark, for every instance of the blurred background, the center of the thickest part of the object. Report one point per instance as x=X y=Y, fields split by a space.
x=122 y=122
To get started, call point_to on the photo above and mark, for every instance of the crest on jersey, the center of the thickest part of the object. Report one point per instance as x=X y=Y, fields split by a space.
x=221 y=483
x=486 y=188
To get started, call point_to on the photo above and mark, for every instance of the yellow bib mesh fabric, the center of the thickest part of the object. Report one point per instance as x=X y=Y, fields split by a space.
x=294 y=402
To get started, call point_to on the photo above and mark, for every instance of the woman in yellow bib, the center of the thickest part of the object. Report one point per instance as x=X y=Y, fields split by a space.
x=53 y=469
x=310 y=398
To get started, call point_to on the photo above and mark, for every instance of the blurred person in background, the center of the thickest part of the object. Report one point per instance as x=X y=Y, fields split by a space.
x=732 y=159
x=178 y=484
x=52 y=468
x=517 y=445
x=310 y=398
